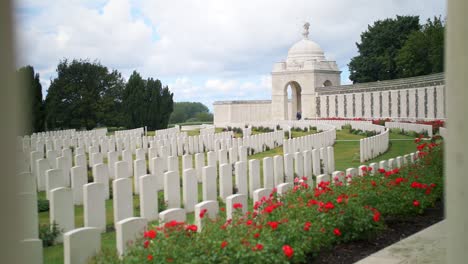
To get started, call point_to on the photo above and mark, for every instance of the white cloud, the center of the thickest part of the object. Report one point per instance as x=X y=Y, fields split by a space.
x=211 y=49
x=211 y=90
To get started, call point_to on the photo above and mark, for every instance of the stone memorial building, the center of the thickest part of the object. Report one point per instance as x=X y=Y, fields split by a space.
x=313 y=83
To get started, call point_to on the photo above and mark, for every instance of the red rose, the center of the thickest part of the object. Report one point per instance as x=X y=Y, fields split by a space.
x=329 y=205
x=288 y=251
x=146 y=244
x=224 y=244
x=376 y=217
x=237 y=206
x=416 y=203
x=203 y=212
x=269 y=209
x=258 y=247
x=192 y=228
x=150 y=234
x=273 y=225
x=256 y=235
x=337 y=232
x=149 y=257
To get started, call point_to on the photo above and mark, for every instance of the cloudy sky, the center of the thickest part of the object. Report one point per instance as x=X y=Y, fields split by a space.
x=204 y=50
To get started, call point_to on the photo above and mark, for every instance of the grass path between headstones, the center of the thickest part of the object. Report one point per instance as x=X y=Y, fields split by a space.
x=346 y=156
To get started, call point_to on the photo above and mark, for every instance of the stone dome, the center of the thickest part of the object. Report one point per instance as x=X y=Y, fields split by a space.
x=305 y=50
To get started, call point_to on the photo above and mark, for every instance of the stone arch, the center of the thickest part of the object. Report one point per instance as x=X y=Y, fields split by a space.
x=293 y=105
x=327 y=83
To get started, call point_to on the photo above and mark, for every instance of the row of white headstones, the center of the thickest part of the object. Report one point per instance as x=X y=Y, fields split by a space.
x=275 y=171
x=87 y=239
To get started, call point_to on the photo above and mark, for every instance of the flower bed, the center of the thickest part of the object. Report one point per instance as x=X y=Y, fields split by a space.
x=301 y=222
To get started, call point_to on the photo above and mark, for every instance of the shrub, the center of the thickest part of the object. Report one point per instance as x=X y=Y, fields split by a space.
x=42 y=205
x=48 y=233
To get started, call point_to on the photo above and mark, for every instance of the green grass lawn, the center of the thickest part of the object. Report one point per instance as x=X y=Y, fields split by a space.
x=346 y=156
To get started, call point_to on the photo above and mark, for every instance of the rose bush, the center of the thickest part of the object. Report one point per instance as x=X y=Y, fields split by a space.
x=299 y=223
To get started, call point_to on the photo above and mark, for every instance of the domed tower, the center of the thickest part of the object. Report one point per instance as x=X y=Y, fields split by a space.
x=304 y=69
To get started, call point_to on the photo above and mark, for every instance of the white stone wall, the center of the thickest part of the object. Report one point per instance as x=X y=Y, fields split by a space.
x=359 y=102
x=332 y=105
x=349 y=105
x=412 y=103
x=430 y=102
x=403 y=104
x=394 y=103
x=440 y=97
x=376 y=106
x=421 y=103
x=323 y=106
x=341 y=105
x=367 y=102
x=386 y=104
x=248 y=111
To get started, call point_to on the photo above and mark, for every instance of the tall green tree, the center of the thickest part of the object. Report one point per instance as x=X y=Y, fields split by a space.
x=32 y=88
x=82 y=95
x=379 y=49
x=423 y=51
x=167 y=106
x=147 y=103
x=135 y=101
x=154 y=117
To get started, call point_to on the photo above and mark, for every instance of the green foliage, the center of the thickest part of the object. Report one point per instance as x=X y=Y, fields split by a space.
x=423 y=52
x=48 y=233
x=42 y=205
x=147 y=103
x=133 y=97
x=190 y=112
x=379 y=47
x=87 y=94
x=398 y=48
x=362 y=132
x=262 y=129
x=32 y=93
x=84 y=95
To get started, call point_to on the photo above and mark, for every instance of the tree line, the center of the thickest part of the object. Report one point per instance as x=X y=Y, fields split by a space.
x=87 y=94
x=399 y=48
x=190 y=112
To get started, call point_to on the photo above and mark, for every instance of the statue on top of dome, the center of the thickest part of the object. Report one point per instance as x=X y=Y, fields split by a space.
x=305 y=33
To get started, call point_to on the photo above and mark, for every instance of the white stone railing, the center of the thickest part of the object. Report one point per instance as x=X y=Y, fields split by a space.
x=133 y=132
x=172 y=130
x=312 y=141
x=374 y=146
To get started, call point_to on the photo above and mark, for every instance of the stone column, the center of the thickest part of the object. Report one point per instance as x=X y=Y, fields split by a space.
x=456 y=158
